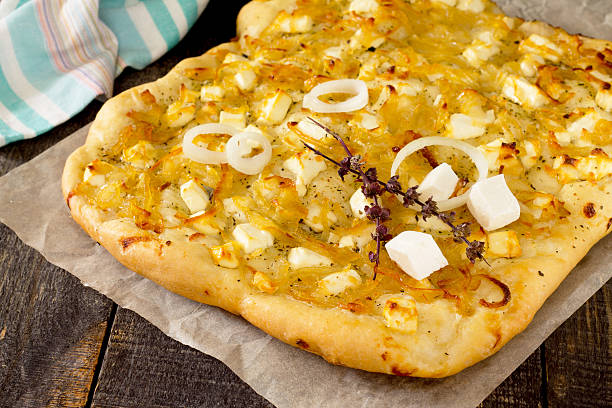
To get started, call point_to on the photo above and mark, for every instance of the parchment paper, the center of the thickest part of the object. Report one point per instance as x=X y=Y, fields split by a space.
x=32 y=191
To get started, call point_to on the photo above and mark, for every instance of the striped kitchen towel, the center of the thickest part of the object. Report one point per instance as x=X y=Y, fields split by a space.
x=58 y=55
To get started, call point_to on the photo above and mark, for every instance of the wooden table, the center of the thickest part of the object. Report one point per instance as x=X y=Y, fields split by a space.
x=62 y=344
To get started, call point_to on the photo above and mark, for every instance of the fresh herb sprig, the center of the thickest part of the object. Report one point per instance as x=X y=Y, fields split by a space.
x=373 y=188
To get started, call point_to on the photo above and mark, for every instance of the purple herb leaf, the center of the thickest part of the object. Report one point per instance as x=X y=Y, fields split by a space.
x=462 y=231
x=429 y=209
x=474 y=250
x=411 y=196
x=448 y=218
x=371 y=190
x=393 y=186
x=355 y=162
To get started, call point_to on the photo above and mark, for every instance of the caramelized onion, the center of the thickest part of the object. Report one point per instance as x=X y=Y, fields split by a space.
x=505 y=289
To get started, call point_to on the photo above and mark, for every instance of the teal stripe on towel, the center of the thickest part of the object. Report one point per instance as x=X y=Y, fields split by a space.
x=132 y=48
x=20 y=108
x=163 y=20
x=37 y=66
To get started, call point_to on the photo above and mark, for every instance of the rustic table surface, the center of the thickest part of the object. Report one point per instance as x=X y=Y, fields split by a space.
x=62 y=344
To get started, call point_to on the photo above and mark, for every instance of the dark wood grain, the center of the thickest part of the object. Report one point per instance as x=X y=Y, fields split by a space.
x=578 y=356
x=145 y=368
x=51 y=330
x=522 y=389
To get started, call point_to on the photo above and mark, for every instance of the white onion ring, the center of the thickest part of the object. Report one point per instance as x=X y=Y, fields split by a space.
x=349 y=86
x=248 y=165
x=200 y=153
x=482 y=166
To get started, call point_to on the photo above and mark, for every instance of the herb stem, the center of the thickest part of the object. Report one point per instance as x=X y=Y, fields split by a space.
x=474 y=248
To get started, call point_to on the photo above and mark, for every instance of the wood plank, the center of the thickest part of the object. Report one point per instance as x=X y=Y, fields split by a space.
x=521 y=389
x=578 y=359
x=51 y=326
x=144 y=367
x=51 y=330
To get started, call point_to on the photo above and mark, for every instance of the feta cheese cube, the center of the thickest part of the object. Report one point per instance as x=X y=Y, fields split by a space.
x=301 y=257
x=542 y=46
x=492 y=203
x=194 y=196
x=447 y=2
x=462 y=126
x=211 y=93
x=333 y=52
x=363 y=6
x=263 y=282
x=475 y=6
x=523 y=92
x=491 y=152
x=400 y=313
x=237 y=120
x=503 y=244
x=231 y=57
x=358 y=202
x=357 y=239
x=603 y=99
x=252 y=238
x=206 y=224
x=336 y=283
x=92 y=177
x=295 y=24
x=577 y=131
x=439 y=183
x=275 y=108
x=509 y=21
x=592 y=167
x=225 y=255
x=408 y=87
x=141 y=155
x=530 y=63
x=310 y=129
x=530 y=153
x=305 y=166
x=416 y=253
x=365 y=39
x=245 y=79
x=232 y=210
x=367 y=121
x=314 y=218
x=477 y=53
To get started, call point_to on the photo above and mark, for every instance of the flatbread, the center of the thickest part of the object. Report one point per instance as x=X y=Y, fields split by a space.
x=550 y=96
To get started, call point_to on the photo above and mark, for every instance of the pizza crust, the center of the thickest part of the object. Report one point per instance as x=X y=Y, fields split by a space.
x=339 y=336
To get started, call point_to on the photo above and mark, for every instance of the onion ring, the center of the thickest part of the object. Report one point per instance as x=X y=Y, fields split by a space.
x=476 y=155
x=201 y=154
x=349 y=86
x=248 y=165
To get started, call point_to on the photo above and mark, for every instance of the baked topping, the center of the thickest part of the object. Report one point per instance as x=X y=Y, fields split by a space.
x=441 y=109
